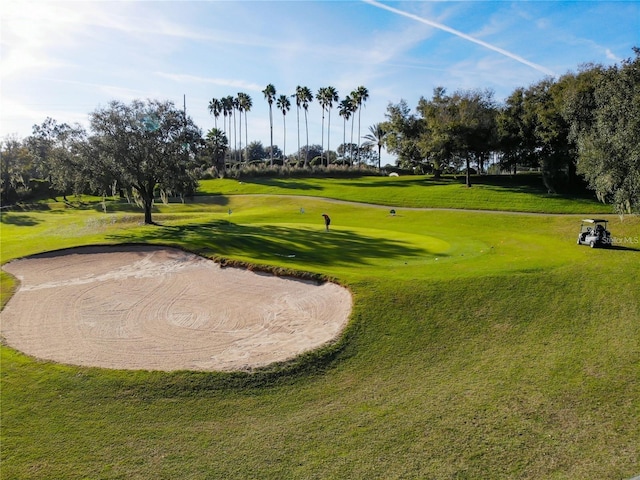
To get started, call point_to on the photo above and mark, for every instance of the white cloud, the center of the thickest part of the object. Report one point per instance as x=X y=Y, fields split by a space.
x=612 y=56
x=29 y=30
x=462 y=35
x=223 y=82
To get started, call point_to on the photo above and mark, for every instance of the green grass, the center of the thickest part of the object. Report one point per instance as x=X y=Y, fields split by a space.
x=523 y=193
x=481 y=345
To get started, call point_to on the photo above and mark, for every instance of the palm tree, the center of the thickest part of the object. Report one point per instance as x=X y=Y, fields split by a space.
x=227 y=106
x=377 y=137
x=235 y=105
x=326 y=96
x=284 y=105
x=304 y=96
x=227 y=110
x=215 y=109
x=359 y=95
x=217 y=143
x=269 y=94
x=354 y=107
x=345 y=110
x=298 y=105
x=332 y=96
x=321 y=96
x=239 y=109
x=244 y=105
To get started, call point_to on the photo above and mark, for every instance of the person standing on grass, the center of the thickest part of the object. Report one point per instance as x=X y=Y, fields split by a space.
x=327 y=221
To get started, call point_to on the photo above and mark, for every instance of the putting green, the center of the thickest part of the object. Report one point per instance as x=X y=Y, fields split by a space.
x=372 y=247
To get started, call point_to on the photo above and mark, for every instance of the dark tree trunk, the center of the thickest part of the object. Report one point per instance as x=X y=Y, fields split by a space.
x=468 y=175
x=147 y=199
x=147 y=211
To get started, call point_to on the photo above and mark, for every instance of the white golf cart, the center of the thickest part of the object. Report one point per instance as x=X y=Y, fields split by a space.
x=594 y=232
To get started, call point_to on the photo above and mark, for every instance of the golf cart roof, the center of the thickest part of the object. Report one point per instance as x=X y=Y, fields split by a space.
x=594 y=220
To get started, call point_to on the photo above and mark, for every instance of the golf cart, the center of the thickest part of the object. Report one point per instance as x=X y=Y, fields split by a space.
x=593 y=232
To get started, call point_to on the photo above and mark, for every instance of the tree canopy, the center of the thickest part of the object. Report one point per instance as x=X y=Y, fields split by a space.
x=577 y=130
x=608 y=133
x=144 y=147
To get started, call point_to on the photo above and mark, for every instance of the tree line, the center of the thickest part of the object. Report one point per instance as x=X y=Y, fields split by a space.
x=582 y=128
x=229 y=106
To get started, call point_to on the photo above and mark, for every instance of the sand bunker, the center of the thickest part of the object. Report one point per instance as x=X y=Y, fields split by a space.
x=154 y=308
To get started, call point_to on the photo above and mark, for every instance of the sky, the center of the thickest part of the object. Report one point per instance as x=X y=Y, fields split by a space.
x=65 y=59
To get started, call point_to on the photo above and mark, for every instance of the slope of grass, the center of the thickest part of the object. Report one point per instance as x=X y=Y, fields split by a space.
x=481 y=346
x=524 y=193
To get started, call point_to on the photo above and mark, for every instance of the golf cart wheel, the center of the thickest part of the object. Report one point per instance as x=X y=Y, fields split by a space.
x=592 y=244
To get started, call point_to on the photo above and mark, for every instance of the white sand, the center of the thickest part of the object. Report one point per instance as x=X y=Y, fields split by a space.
x=155 y=308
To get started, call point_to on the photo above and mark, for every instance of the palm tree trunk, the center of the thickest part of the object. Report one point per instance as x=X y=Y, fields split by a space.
x=240 y=134
x=344 y=136
x=322 y=140
x=284 y=140
x=235 y=137
x=359 y=110
x=246 y=138
x=271 y=127
x=306 y=153
x=328 y=135
x=230 y=132
x=353 y=119
x=298 y=121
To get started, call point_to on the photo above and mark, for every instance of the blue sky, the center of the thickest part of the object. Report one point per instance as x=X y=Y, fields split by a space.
x=65 y=59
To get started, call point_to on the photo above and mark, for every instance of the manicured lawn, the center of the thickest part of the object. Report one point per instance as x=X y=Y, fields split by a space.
x=521 y=193
x=481 y=345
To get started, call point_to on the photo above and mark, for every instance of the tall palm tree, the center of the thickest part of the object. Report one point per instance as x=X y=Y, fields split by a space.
x=298 y=105
x=239 y=109
x=304 y=97
x=332 y=96
x=215 y=109
x=284 y=105
x=245 y=104
x=227 y=108
x=354 y=108
x=321 y=96
x=360 y=95
x=235 y=107
x=377 y=137
x=345 y=109
x=270 y=94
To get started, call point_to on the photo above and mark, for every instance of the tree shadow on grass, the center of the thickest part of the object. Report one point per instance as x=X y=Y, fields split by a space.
x=529 y=184
x=289 y=184
x=269 y=243
x=18 y=219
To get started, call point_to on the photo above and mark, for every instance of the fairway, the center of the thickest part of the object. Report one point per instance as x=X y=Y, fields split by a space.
x=477 y=345
x=154 y=308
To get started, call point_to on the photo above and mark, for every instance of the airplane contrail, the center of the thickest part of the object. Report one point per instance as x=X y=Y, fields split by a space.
x=460 y=34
